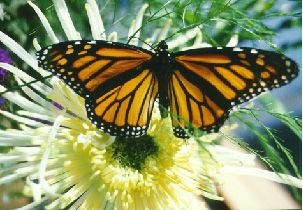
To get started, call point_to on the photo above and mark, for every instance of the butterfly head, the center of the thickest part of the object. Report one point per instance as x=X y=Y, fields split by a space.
x=162 y=46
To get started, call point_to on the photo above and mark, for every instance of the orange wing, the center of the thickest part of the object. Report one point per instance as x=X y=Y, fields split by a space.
x=113 y=79
x=207 y=83
x=126 y=109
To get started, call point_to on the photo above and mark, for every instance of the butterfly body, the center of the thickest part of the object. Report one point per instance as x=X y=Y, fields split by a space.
x=161 y=67
x=121 y=82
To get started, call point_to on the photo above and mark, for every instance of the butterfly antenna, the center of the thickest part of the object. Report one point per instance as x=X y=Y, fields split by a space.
x=148 y=44
x=19 y=87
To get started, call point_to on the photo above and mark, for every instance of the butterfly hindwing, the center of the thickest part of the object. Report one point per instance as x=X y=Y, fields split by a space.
x=126 y=109
x=112 y=78
x=206 y=83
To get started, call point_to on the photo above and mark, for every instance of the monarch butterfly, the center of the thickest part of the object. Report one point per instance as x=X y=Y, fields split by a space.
x=121 y=82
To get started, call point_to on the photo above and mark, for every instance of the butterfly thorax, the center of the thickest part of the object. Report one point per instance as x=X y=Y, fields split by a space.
x=161 y=68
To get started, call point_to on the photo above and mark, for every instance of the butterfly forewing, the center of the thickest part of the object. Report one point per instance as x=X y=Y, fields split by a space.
x=112 y=77
x=206 y=83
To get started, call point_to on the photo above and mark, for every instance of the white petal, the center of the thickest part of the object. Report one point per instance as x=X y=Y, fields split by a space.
x=165 y=30
x=182 y=39
x=35 y=115
x=95 y=20
x=42 y=167
x=13 y=133
x=135 y=35
x=229 y=156
x=113 y=37
x=146 y=44
x=265 y=174
x=233 y=41
x=8 y=158
x=198 y=38
x=198 y=42
x=23 y=102
x=44 y=22
x=31 y=150
x=154 y=36
x=67 y=98
x=76 y=205
x=21 y=53
x=19 y=141
x=18 y=50
x=36 y=44
x=21 y=119
x=22 y=170
x=65 y=20
x=35 y=188
x=131 y=30
x=39 y=86
x=38 y=99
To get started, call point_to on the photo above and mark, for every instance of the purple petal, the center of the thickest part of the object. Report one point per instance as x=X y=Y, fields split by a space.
x=5 y=58
x=2 y=100
x=57 y=105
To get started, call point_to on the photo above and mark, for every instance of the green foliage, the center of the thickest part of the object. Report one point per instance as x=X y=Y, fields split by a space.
x=267 y=139
x=274 y=155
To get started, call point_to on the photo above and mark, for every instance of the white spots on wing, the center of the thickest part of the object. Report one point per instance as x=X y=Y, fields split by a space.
x=287 y=63
x=253 y=51
x=237 y=49
x=262 y=83
x=219 y=48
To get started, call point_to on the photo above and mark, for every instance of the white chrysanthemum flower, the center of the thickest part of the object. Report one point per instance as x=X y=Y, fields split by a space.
x=69 y=164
